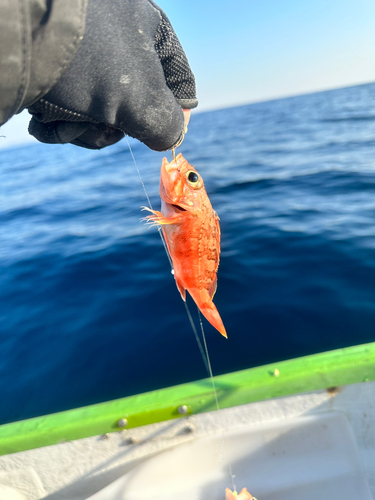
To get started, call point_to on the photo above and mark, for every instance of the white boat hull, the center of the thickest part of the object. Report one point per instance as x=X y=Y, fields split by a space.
x=80 y=469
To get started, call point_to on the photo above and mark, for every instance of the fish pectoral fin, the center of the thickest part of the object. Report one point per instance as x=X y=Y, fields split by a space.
x=158 y=217
x=181 y=288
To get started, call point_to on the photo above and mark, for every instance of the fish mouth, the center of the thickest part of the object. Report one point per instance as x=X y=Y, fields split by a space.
x=173 y=207
x=178 y=207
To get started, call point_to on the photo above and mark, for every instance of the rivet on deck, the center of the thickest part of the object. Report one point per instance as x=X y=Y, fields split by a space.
x=182 y=410
x=122 y=422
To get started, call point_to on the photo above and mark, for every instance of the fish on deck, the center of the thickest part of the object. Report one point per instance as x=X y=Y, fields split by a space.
x=192 y=233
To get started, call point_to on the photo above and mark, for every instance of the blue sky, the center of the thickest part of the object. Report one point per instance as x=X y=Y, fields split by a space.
x=245 y=51
x=253 y=50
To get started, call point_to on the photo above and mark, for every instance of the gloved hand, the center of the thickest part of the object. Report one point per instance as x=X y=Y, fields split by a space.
x=129 y=75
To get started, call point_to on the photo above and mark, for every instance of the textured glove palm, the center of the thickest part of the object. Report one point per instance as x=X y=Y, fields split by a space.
x=129 y=75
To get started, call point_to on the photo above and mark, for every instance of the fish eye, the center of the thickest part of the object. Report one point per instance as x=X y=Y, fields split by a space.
x=192 y=177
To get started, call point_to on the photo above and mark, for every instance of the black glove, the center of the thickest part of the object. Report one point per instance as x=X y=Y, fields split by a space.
x=130 y=76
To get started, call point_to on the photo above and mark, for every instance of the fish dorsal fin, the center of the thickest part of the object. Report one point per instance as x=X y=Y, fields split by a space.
x=213 y=287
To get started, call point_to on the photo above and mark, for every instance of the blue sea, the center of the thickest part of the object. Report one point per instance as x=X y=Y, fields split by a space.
x=89 y=310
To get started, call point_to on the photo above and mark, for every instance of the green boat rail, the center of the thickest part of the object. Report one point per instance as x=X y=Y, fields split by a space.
x=309 y=373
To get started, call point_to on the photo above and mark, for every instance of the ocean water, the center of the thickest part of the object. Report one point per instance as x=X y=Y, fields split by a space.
x=89 y=310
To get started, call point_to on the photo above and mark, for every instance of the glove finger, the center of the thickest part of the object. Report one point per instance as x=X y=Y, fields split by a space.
x=84 y=134
x=166 y=86
x=153 y=116
x=178 y=75
x=98 y=136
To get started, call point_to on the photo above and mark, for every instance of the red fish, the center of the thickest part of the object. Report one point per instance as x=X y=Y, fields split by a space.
x=243 y=495
x=191 y=230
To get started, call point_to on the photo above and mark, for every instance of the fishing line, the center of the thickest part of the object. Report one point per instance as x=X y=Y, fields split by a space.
x=149 y=203
x=205 y=361
x=208 y=361
x=139 y=173
x=204 y=353
x=216 y=398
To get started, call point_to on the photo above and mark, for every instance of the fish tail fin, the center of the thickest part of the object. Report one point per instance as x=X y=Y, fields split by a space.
x=212 y=315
